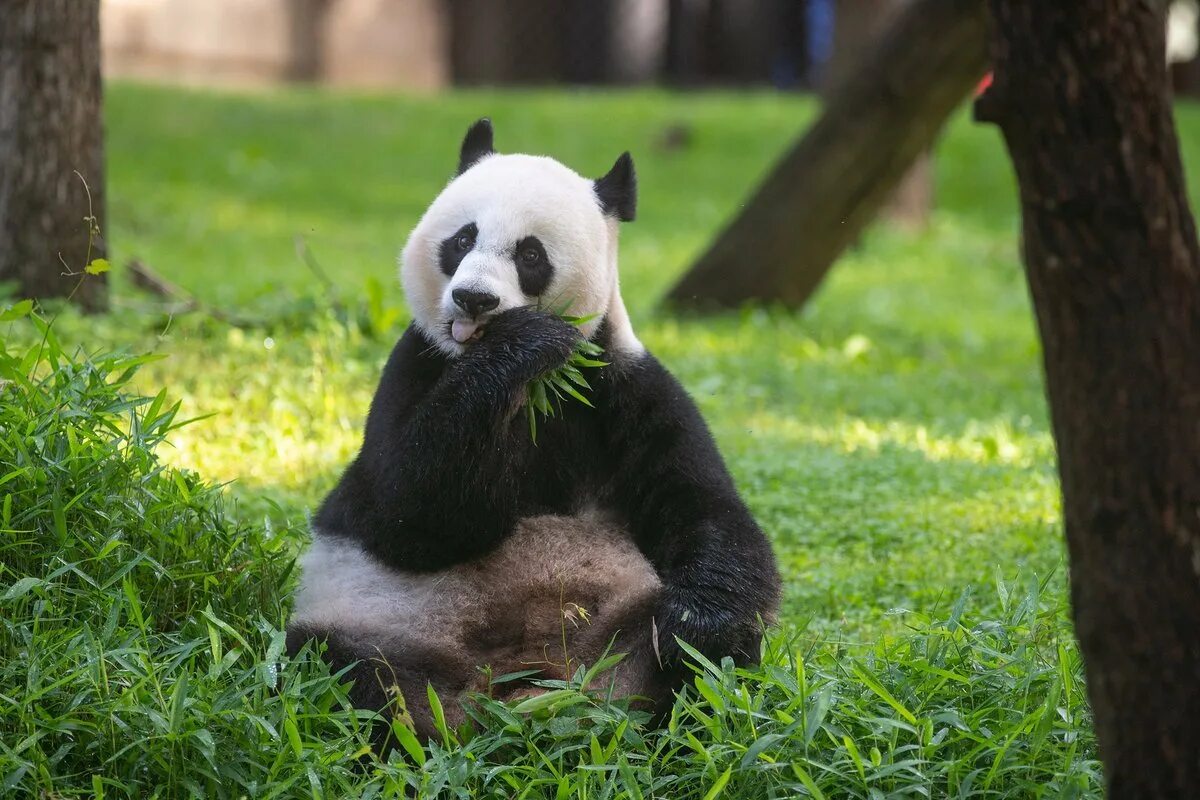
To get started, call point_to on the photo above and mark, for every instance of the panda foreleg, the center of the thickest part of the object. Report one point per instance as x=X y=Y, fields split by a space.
x=720 y=582
x=437 y=480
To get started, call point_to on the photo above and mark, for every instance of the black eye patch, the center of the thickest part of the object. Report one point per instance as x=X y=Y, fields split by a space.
x=455 y=248
x=534 y=269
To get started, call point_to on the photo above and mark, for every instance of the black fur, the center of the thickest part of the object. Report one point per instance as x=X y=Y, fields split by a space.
x=384 y=670
x=435 y=483
x=617 y=191
x=476 y=144
x=534 y=275
x=448 y=466
x=454 y=249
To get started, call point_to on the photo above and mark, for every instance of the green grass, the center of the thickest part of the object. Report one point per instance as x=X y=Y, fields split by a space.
x=142 y=656
x=892 y=439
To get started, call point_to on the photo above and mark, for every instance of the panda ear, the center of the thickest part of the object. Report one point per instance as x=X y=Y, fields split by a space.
x=476 y=144
x=617 y=191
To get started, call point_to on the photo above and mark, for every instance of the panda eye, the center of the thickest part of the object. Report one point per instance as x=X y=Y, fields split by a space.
x=530 y=255
x=464 y=241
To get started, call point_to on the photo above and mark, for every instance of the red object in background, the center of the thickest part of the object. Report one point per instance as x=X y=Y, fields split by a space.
x=983 y=84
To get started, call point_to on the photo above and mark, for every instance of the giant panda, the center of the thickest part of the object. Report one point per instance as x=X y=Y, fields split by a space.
x=458 y=547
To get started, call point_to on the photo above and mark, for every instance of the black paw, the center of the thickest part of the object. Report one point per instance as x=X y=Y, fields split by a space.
x=540 y=339
x=714 y=633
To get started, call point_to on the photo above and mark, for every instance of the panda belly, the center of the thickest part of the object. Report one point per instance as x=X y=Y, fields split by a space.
x=557 y=579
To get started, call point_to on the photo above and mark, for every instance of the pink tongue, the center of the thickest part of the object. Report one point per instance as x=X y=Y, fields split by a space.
x=463 y=329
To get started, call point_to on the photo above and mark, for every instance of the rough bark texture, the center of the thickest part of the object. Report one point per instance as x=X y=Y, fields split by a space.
x=50 y=127
x=1114 y=270
x=835 y=179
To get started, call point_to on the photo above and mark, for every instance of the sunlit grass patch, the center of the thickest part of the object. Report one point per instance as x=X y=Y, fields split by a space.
x=982 y=442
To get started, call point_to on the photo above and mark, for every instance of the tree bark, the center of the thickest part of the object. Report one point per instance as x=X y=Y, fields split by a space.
x=50 y=127
x=832 y=183
x=1113 y=263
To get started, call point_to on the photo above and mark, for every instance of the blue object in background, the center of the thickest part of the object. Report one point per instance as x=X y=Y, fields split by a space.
x=820 y=21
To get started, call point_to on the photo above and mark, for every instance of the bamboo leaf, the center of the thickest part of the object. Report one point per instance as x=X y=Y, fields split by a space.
x=16 y=311
x=879 y=689
x=808 y=782
x=99 y=266
x=439 y=714
x=531 y=415
x=569 y=389
x=293 y=735
x=719 y=784
x=408 y=741
x=544 y=700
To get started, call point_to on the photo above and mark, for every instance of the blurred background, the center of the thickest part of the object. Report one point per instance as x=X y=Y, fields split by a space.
x=434 y=44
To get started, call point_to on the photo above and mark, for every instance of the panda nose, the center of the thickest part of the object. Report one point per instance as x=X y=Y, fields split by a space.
x=474 y=303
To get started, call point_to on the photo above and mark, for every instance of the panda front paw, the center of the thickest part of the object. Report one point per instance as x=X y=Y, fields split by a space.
x=713 y=632
x=534 y=340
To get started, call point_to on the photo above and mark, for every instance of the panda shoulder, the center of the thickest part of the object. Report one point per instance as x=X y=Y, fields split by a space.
x=643 y=383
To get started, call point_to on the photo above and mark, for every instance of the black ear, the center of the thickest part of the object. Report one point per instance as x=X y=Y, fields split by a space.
x=476 y=144
x=617 y=191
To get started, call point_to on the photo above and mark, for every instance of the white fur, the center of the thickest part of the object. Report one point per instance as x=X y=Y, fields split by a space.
x=343 y=588
x=585 y=559
x=509 y=197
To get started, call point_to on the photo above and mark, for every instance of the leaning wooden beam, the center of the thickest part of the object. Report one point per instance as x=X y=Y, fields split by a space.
x=831 y=184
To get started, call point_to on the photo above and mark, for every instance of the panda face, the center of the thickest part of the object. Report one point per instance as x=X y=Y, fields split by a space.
x=510 y=231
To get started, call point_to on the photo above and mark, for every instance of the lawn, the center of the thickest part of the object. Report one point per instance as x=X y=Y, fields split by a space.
x=892 y=439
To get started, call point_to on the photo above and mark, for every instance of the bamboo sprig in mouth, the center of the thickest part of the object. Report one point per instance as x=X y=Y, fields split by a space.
x=546 y=393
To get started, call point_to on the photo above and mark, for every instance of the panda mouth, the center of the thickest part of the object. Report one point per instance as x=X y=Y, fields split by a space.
x=465 y=330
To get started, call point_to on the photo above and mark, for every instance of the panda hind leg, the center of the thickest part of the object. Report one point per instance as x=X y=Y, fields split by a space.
x=390 y=676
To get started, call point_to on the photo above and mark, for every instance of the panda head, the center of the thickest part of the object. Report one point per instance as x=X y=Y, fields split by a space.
x=518 y=230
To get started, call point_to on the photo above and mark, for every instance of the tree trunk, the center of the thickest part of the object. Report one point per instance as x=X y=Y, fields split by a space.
x=520 y=41
x=1113 y=263
x=683 y=58
x=50 y=127
x=837 y=177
